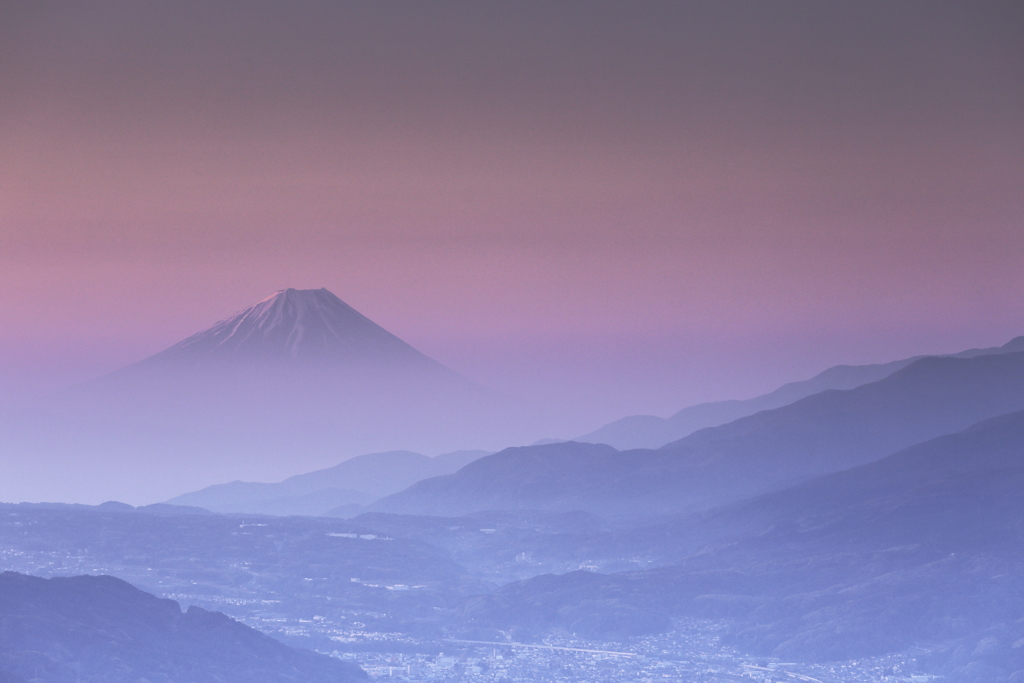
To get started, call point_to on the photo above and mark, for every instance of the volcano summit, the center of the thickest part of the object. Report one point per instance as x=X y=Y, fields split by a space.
x=295 y=325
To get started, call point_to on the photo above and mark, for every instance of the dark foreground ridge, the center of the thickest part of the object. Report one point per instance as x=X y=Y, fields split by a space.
x=99 y=628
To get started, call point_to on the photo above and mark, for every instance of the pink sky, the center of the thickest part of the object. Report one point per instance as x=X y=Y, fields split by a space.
x=626 y=207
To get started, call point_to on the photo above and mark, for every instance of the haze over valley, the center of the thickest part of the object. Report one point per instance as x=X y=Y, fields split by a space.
x=520 y=342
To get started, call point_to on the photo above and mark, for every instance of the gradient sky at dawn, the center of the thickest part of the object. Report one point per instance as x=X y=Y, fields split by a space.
x=624 y=206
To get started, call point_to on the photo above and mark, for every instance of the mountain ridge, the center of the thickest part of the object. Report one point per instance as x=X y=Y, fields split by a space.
x=650 y=431
x=823 y=433
x=921 y=548
x=356 y=482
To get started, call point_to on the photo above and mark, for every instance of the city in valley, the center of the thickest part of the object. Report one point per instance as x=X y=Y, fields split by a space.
x=317 y=611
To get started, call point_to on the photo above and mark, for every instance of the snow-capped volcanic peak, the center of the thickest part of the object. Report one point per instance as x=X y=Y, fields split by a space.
x=295 y=324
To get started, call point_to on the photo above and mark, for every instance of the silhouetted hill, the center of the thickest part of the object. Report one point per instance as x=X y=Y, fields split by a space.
x=356 y=481
x=649 y=431
x=256 y=568
x=98 y=628
x=921 y=548
x=827 y=432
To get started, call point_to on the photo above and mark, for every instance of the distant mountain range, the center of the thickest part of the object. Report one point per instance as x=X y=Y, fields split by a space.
x=345 y=488
x=98 y=628
x=922 y=549
x=336 y=491
x=925 y=546
x=852 y=514
x=820 y=434
x=294 y=383
x=649 y=431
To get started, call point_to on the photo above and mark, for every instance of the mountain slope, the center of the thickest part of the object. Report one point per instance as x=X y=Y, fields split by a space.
x=922 y=548
x=99 y=628
x=292 y=384
x=356 y=481
x=648 y=431
x=824 y=433
x=559 y=476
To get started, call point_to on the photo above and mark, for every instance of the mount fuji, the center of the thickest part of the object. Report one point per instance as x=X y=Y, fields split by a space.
x=294 y=326
x=296 y=382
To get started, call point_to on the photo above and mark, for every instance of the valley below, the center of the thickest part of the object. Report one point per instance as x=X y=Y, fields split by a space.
x=865 y=525
x=400 y=619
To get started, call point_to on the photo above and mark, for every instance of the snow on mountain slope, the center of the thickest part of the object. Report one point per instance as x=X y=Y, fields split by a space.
x=294 y=383
x=294 y=324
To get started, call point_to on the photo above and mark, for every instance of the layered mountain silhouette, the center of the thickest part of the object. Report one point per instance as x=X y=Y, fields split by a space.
x=922 y=547
x=313 y=329
x=294 y=383
x=820 y=434
x=649 y=431
x=338 y=491
x=98 y=628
